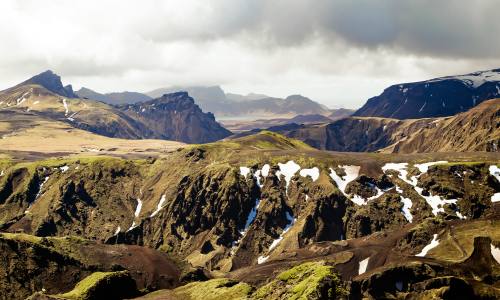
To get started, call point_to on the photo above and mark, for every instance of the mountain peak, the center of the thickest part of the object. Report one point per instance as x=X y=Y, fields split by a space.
x=52 y=82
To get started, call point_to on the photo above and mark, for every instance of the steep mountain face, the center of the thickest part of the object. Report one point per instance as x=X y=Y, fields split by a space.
x=438 y=97
x=51 y=82
x=474 y=130
x=176 y=117
x=252 y=206
x=113 y=98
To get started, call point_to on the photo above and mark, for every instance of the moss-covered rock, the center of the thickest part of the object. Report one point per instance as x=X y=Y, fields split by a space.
x=311 y=280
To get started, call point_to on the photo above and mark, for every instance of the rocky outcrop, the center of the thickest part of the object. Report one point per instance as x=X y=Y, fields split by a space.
x=176 y=117
x=51 y=82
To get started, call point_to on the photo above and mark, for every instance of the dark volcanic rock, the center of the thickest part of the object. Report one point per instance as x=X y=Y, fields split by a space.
x=438 y=97
x=51 y=82
x=176 y=117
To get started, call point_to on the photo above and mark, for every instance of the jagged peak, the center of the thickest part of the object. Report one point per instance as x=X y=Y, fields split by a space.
x=52 y=82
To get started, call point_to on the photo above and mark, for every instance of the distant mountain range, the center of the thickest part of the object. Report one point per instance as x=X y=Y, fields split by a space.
x=445 y=96
x=171 y=117
x=223 y=105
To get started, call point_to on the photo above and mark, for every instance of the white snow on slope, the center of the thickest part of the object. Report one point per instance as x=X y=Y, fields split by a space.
x=64 y=168
x=118 y=230
x=41 y=186
x=2 y=173
x=262 y=259
x=423 y=168
x=434 y=243
x=160 y=205
x=251 y=217
x=265 y=170
x=407 y=204
x=436 y=202
x=495 y=171
x=363 y=265
x=65 y=106
x=352 y=173
x=291 y=221
x=473 y=80
x=138 y=208
x=495 y=252
x=401 y=168
x=313 y=173
x=21 y=99
x=244 y=171
x=288 y=170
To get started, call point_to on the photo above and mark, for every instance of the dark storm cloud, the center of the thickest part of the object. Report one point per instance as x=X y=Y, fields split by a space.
x=453 y=28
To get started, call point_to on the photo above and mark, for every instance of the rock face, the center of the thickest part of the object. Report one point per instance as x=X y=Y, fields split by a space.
x=445 y=96
x=176 y=117
x=474 y=130
x=51 y=82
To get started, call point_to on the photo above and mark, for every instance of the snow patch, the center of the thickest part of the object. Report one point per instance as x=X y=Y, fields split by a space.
x=138 y=208
x=118 y=230
x=251 y=217
x=265 y=170
x=288 y=170
x=160 y=205
x=423 y=168
x=244 y=171
x=473 y=80
x=495 y=252
x=291 y=221
x=434 y=243
x=313 y=173
x=262 y=259
x=64 y=168
x=495 y=171
x=66 y=108
x=363 y=265
x=407 y=204
x=352 y=173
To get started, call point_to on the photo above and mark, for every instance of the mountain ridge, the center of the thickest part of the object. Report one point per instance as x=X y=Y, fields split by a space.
x=438 y=97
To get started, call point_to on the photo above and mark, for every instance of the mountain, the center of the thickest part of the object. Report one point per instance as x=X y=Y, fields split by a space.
x=259 y=217
x=113 y=98
x=176 y=117
x=445 y=96
x=474 y=130
x=51 y=82
x=252 y=106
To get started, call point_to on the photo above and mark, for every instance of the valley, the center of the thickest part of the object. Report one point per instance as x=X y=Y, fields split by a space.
x=155 y=199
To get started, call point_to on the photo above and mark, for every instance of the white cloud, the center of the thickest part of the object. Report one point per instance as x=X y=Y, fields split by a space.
x=338 y=52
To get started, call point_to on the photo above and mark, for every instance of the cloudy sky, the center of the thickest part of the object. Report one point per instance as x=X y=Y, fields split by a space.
x=338 y=52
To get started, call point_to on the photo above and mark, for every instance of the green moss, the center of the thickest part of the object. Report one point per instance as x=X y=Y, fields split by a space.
x=85 y=288
x=215 y=289
x=303 y=282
